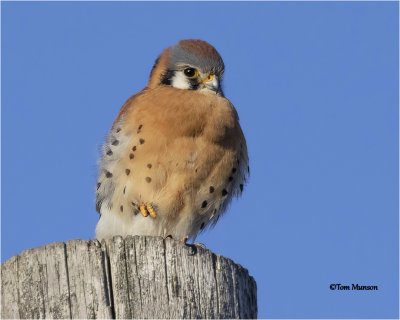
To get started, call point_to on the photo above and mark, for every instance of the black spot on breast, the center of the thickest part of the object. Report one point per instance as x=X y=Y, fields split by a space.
x=108 y=174
x=230 y=178
x=148 y=179
x=121 y=208
x=109 y=153
x=115 y=142
x=134 y=148
x=241 y=187
x=224 y=192
x=127 y=171
x=124 y=190
x=248 y=169
x=140 y=127
x=237 y=161
x=233 y=170
x=202 y=226
x=118 y=130
x=141 y=141
x=204 y=204
x=131 y=156
x=98 y=185
x=211 y=189
x=149 y=165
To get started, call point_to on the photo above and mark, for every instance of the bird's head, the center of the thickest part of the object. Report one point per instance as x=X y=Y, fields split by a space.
x=189 y=65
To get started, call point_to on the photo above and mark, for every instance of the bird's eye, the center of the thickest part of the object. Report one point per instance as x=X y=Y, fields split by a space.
x=191 y=73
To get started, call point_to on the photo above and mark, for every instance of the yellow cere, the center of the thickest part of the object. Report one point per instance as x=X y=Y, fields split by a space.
x=209 y=78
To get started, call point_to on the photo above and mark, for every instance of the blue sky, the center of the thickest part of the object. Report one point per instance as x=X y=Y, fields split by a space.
x=316 y=88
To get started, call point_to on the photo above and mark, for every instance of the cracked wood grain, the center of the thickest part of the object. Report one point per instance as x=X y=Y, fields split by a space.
x=136 y=277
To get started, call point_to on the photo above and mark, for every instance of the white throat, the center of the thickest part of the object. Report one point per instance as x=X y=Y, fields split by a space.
x=180 y=81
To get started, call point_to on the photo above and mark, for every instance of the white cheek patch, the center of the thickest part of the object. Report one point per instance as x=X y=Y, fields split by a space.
x=180 y=81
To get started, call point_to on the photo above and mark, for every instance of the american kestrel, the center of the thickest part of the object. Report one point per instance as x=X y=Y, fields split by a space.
x=175 y=155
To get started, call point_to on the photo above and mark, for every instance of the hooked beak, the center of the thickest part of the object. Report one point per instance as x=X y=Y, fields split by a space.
x=211 y=82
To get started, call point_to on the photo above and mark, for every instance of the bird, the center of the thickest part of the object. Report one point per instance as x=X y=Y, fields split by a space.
x=175 y=155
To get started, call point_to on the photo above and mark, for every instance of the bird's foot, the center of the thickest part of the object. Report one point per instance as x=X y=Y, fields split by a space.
x=147 y=209
x=193 y=246
x=151 y=210
x=184 y=239
x=200 y=245
x=143 y=210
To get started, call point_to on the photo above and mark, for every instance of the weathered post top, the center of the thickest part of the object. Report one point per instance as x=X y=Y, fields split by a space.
x=135 y=277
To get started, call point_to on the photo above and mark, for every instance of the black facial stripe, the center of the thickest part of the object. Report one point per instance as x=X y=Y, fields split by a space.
x=167 y=77
x=194 y=84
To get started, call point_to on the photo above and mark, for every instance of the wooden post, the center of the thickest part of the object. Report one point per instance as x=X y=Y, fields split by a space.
x=135 y=277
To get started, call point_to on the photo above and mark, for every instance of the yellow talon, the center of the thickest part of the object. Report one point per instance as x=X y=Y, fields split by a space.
x=150 y=209
x=143 y=210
